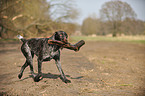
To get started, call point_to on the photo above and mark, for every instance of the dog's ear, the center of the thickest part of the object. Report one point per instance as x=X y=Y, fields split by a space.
x=56 y=36
x=65 y=34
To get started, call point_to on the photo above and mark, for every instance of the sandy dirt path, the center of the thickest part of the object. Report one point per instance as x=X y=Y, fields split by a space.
x=100 y=68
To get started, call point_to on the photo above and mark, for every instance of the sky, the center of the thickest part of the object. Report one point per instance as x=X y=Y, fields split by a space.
x=88 y=7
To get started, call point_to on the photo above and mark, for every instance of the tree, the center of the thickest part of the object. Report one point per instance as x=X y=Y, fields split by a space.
x=115 y=12
x=63 y=10
x=33 y=17
x=132 y=27
x=20 y=16
x=91 y=25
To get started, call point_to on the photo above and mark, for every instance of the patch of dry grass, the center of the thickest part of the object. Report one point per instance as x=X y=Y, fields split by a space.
x=85 y=72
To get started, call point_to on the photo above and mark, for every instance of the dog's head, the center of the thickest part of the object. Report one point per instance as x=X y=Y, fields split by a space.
x=61 y=36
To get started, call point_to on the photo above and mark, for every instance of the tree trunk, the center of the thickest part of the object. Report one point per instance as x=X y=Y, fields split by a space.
x=114 y=34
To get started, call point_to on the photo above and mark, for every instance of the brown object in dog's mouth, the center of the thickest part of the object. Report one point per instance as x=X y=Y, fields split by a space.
x=79 y=44
x=55 y=42
x=67 y=45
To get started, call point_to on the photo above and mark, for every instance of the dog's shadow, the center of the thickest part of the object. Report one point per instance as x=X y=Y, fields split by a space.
x=53 y=76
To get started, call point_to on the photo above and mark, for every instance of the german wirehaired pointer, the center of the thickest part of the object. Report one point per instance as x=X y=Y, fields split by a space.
x=46 y=49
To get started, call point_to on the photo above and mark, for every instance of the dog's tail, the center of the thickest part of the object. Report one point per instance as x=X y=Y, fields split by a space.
x=21 y=38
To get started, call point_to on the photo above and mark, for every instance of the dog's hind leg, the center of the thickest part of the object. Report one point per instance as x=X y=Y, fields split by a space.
x=38 y=77
x=22 y=70
x=24 y=66
x=29 y=60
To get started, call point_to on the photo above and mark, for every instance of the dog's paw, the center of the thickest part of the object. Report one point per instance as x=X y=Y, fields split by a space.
x=20 y=76
x=37 y=78
x=67 y=81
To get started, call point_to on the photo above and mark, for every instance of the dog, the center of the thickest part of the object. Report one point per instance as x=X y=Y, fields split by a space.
x=44 y=51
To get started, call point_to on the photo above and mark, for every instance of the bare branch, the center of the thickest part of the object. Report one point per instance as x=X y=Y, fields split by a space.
x=10 y=6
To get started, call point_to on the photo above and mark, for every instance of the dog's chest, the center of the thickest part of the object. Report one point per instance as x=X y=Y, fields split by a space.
x=49 y=53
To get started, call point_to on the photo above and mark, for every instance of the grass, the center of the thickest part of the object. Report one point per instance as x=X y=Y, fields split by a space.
x=124 y=85
x=8 y=40
x=134 y=39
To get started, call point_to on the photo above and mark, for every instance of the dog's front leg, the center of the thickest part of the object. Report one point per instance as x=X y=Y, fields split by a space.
x=58 y=64
x=38 y=77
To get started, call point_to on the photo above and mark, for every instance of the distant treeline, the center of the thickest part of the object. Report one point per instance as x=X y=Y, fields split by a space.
x=126 y=27
x=41 y=18
x=116 y=18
